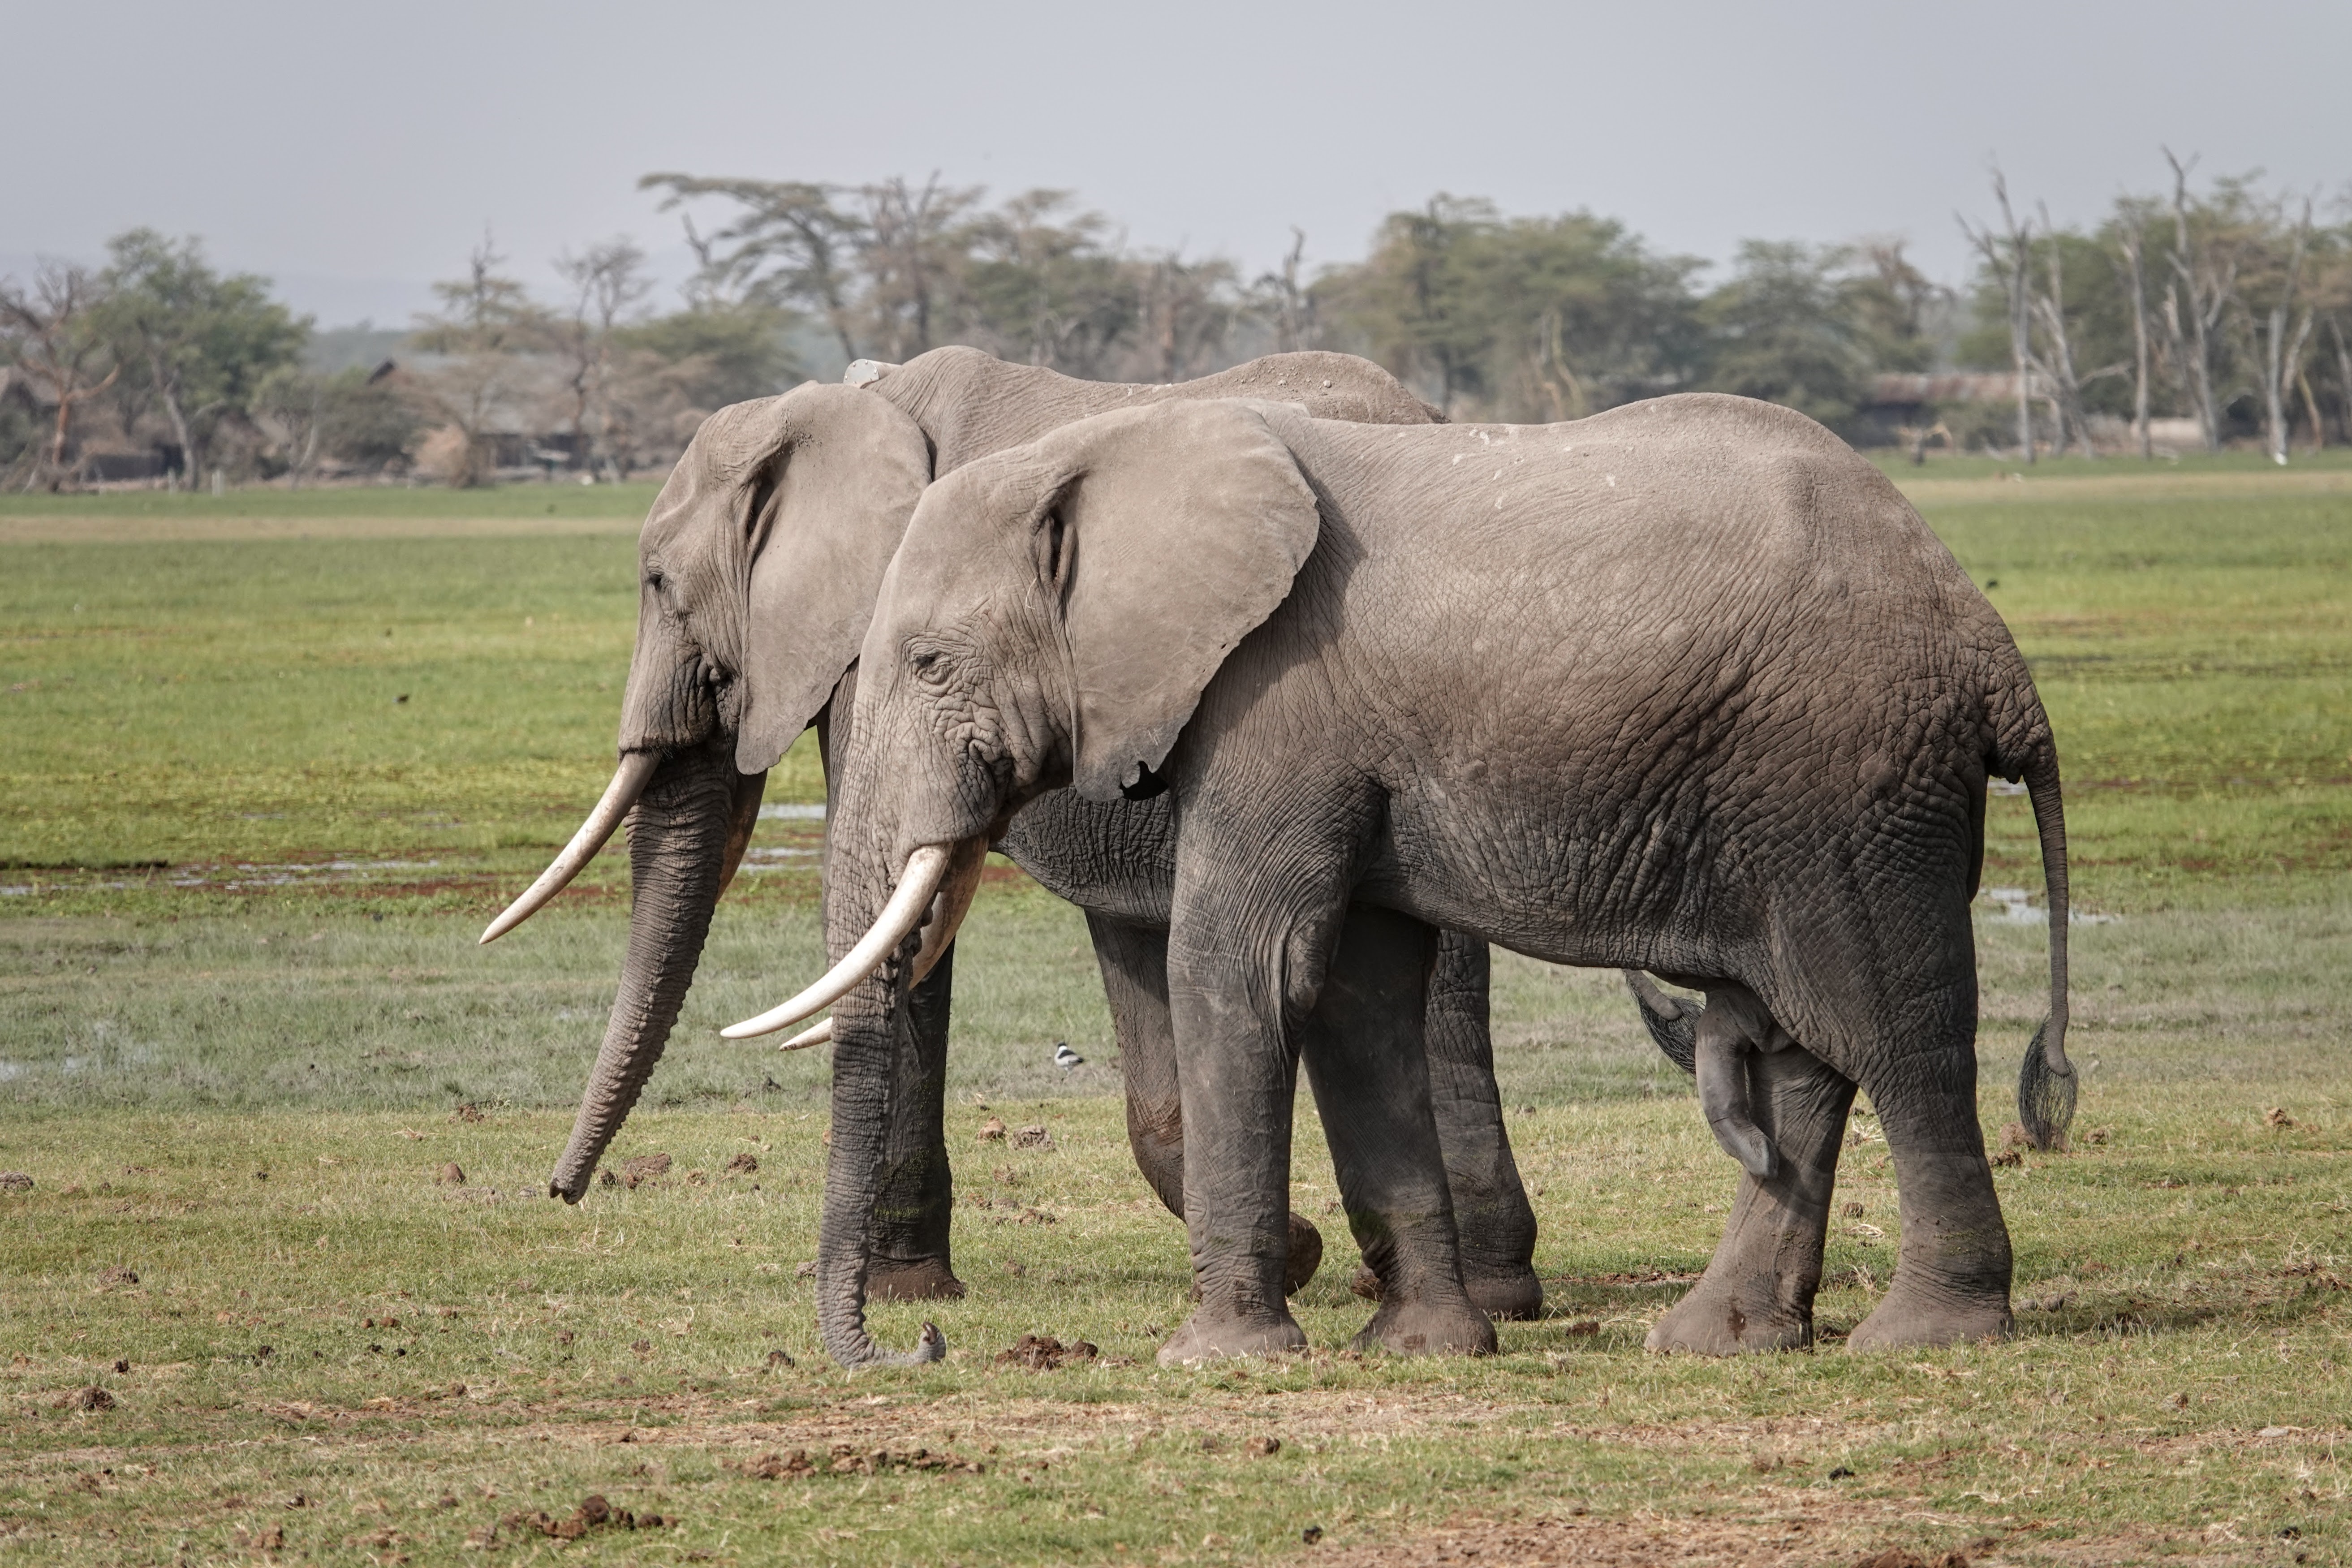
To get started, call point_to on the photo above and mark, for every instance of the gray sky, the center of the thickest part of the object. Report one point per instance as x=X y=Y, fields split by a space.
x=355 y=152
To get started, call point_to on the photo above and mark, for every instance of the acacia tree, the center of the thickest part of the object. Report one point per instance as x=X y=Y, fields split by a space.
x=48 y=331
x=787 y=246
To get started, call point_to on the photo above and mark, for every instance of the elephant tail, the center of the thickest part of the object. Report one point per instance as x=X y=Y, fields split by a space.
x=2045 y=1081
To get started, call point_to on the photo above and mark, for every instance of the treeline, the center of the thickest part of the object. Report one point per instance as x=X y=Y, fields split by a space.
x=2224 y=308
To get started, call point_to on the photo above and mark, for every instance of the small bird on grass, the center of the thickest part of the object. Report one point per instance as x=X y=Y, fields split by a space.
x=1064 y=1058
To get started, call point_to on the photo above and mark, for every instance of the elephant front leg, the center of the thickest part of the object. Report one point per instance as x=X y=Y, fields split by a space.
x=1952 y=1274
x=1134 y=962
x=1366 y=1060
x=1238 y=1078
x=1757 y=1292
x=915 y=1205
x=1491 y=1212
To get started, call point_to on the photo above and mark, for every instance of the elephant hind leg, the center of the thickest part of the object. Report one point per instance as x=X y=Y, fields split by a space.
x=1496 y=1223
x=1757 y=1292
x=1952 y=1272
x=1368 y=1065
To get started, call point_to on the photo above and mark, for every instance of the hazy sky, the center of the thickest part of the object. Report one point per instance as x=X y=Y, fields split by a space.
x=355 y=152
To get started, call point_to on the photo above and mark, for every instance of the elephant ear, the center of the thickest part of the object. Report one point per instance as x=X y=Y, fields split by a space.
x=1176 y=529
x=844 y=471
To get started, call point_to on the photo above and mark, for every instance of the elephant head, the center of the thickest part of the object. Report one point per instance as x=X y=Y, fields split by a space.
x=1052 y=617
x=758 y=569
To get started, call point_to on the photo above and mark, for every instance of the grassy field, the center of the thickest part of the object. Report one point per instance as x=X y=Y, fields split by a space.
x=244 y=1028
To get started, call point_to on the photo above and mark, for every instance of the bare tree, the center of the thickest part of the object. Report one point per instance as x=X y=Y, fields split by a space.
x=2343 y=372
x=2009 y=256
x=2281 y=357
x=2204 y=281
x=2058 y=362
x=1292 y=307
x=608 y=286
x=489 y=328
x=1188 y=308
x=912 y=254
x=2131 y=241
x=57 y=349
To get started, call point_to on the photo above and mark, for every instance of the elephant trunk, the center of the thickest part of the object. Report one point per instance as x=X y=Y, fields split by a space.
x=678 y=842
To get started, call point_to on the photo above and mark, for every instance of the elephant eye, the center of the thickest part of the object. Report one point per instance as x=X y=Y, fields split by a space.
x=654 y=579
x=928 y=666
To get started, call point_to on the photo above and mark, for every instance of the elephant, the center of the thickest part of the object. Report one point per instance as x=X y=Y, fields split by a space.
x=1685 y=686
x=760 y=562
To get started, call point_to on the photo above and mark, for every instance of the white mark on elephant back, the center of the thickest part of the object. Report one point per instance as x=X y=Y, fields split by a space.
x=865 y=372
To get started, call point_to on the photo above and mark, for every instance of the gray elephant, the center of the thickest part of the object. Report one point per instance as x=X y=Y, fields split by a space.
x=1686 y=687
x=761 y=561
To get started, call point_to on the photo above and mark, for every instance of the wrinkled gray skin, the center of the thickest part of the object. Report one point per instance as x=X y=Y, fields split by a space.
x=759 y=565
x=1686 y=687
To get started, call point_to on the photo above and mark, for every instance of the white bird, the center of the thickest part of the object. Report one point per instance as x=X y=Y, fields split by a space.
x=1064 y=1058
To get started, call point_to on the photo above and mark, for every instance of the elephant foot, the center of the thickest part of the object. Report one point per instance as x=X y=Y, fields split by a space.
x=1206 y=1339
x=1306 y=1255
x=1932 y=1317
x=1511 y=1295
x=1726 y=1319
x=1428 y=1328
x=922 y=1279
x=1506 y=1296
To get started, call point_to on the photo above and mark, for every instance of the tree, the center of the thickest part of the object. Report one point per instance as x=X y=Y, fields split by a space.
x=788 y=245
x=486 y=330
x=2009 y=256
x=1786 y=330
x=1187 y=309
x=1287 y=306
x=711 y=354
x=608 y=287
x=49 y=332
x=1042 y=286
x=1542 y=318
x=2282 y=354
x=2131 y=249
x=200 y=344
x=913 y=249
x=2204 y=267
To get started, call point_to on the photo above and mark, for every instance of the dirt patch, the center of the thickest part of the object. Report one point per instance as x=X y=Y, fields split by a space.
x=1043 y=1352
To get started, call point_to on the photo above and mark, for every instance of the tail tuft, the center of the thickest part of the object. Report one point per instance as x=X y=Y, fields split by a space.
x=2045 y=1096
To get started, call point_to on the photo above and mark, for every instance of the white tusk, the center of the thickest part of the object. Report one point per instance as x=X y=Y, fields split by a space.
x=821 y=1035
x=954 y=902
x=910 y=901
x=629 y=781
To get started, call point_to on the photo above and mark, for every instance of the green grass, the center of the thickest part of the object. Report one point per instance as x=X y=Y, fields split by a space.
x=295 y=990
x=368 y=503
